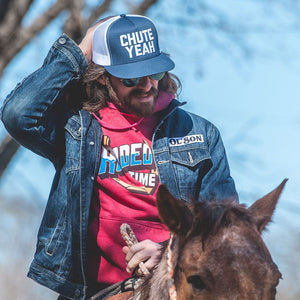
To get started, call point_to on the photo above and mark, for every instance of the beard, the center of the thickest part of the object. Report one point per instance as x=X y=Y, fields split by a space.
x=138 y=108
x=131 y=104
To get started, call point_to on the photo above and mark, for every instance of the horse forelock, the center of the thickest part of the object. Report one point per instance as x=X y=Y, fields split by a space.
x=211 y=216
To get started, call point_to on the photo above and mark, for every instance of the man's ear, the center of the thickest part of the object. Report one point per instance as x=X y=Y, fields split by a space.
x=102 y=79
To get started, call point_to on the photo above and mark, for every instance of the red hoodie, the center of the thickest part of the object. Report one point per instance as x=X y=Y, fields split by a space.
x=125 y=190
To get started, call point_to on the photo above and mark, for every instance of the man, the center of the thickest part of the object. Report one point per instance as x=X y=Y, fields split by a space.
x=104 y=114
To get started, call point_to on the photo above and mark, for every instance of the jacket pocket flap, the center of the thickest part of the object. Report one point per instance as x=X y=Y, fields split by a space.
x=74 y=127
x=189 y=157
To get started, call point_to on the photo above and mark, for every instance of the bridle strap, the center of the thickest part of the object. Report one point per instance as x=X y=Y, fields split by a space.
x=172 y=287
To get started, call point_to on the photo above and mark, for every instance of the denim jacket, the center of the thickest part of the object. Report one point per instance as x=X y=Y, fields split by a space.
x=188 y=153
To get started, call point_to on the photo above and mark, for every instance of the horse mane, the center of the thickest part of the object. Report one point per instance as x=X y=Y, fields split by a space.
x=210 y=216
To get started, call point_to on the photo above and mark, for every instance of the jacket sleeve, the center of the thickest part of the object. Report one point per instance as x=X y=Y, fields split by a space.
x=33 y=113
x=217 y=183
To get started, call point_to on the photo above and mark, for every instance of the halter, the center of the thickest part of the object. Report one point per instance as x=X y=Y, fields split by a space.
x=172 y=287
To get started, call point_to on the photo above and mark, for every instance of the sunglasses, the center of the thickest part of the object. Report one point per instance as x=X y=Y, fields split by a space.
x=134 y=81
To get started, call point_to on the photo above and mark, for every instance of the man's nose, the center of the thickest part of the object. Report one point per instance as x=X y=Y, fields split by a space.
x=145 y=83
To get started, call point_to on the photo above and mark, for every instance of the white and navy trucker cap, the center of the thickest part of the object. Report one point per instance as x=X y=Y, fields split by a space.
x=127 y=47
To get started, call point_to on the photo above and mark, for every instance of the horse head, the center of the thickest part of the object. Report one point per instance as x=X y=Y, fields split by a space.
x=218 y=251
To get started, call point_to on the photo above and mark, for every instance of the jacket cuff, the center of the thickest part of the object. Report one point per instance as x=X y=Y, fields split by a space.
x=72 y=52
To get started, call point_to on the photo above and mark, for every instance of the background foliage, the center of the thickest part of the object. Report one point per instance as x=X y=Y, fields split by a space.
x=214 y=45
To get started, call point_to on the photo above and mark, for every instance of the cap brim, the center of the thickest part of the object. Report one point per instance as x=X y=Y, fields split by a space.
x=158 y=64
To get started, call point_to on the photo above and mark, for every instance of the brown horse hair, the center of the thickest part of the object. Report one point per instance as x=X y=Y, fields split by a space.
x=208 y=218
x=232 y=236
x=211 y=216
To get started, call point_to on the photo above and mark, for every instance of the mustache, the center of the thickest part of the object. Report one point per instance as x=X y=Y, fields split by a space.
x=152 y=92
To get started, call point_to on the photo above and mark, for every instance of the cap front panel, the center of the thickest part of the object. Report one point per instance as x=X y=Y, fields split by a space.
x=132 y=39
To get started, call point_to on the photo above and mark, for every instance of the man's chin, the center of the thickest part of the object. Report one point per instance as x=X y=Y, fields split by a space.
x=143 y=109
x=142 y=104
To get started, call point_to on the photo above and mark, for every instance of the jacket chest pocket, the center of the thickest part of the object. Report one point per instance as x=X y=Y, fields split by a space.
x=73 y=144
x=190 y=165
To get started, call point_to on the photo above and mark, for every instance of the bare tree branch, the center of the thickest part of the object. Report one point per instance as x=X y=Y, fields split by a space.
x=16 y=10
x=8 y=149
x=3 y=9
x=96 y=13
x=24 y=35
x=143 y=7
x=73 y=25
x=101 y=9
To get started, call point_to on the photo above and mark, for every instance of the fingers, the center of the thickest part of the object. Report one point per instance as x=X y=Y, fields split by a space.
x=125 y=249
x=86 y=44
x=146 y=251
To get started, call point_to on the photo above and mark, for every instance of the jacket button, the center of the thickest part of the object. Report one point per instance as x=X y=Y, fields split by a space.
x=77 y=293
x=92 y=143
x=92 y=177
x=62 y=40
x=78 y=132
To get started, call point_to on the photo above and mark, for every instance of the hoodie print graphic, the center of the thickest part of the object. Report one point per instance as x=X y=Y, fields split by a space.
x=130 y=165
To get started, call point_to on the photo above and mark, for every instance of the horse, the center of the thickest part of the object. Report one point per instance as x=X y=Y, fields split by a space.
x=215 y=251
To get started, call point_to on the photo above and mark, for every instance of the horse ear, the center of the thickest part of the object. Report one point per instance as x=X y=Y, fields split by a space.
x=263 y=209
x=173 y=212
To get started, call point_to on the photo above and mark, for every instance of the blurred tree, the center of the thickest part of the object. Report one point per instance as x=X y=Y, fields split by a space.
x=17 y=239
x=215 y=23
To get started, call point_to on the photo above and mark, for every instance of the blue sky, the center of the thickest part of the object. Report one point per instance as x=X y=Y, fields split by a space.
x=254 y=103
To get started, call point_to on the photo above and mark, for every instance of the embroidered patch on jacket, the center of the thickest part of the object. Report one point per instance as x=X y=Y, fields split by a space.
x=185 y=140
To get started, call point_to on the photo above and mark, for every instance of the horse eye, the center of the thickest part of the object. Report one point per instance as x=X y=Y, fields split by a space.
x=196 y=282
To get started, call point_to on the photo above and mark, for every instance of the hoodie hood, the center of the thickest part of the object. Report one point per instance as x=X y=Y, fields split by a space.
x=111 y=118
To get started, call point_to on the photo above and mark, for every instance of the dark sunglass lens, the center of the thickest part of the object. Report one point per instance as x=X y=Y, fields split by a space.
x=130 y=82
x=134 y=81
x=158 y=76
